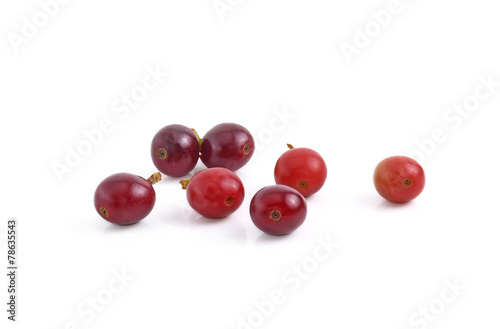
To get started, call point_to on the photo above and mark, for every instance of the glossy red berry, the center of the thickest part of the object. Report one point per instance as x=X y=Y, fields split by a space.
x=175 y=150
x=227 y=145
x=278 y=209
x=302 y=169
x=399 y=179
x=124 y=198
x=214 y=192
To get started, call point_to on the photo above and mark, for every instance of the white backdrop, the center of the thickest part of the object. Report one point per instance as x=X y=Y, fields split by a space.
x=86 y=84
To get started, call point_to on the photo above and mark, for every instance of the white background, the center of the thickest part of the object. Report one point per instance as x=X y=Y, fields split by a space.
x=250 y=65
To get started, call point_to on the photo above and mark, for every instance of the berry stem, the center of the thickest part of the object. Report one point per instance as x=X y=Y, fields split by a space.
x=184 y=183
x=154 y=178
x=290 y=146
x=197 y=136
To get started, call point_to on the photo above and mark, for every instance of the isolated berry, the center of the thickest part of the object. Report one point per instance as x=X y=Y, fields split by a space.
x=175 y=150
x=399 y=179
x=227 y=145
x=124 y=198
x=302 y=169
x=278 y=209
x=214 y=192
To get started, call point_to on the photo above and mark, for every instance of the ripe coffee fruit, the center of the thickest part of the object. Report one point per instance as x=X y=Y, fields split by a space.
x=302 y=169
x=227 y=145
x=124 y=198
x=399 y=179
x=214 y=192
x=278 y=209
x=175 y=150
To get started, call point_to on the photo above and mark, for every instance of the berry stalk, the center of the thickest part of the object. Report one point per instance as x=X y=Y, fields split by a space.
x=184 y=183
x=154 y=178
x=197 y=136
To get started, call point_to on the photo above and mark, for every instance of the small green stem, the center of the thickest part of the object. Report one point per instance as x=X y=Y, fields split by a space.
x=197 y=136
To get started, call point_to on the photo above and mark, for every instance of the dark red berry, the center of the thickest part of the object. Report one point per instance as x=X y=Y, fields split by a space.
x=399 y=179
x=124 y=198
x=227 y=145
x=302 y=169
x=175 y=150
x=278 y=209
x=214 y=192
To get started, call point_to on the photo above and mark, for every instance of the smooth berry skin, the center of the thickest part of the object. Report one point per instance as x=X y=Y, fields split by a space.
x=227 y=145
x=278 y=209
x=124 y=198
x=399 y=179
x=175 y=150
x=302 y=169
x=215 y=192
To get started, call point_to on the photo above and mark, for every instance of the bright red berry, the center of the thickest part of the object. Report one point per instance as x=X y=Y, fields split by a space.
x=175 y=150
x=214 y=192
x=302 y=169
x=399 y=179
x=125 y=198
x=227 y=145
x=278 y=209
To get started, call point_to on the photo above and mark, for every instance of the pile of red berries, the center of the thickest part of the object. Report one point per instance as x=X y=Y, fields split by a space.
x=217 y=192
